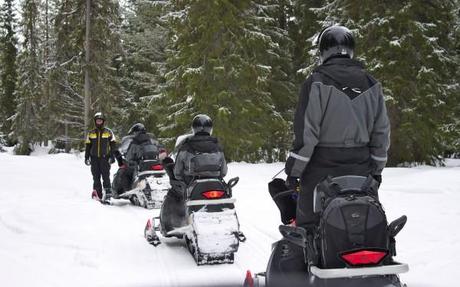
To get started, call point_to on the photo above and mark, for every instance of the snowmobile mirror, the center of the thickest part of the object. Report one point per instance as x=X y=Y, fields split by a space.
x=295 y=235
x=395 y=227
x=232 y=182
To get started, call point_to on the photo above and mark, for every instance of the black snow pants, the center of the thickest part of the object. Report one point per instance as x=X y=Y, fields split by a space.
x=123 y=180
x=333 y=162
x=172 y=213
x=100 y=167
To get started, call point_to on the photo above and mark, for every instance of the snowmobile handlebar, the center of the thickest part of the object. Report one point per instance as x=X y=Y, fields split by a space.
x=232 y=182
x=396 y=226
x=294 y=234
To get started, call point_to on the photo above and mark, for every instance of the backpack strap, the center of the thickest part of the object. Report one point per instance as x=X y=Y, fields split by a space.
x=333 y=188
x=370 y=186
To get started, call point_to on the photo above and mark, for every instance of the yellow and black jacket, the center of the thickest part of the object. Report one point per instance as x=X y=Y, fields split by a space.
x=100 y=143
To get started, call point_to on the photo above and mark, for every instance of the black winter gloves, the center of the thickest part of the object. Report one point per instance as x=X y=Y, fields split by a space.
x=284 y=199
x=378 y=177
x=289 y=165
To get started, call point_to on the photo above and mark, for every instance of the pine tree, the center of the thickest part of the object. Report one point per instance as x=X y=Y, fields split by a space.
x=27 y=121
x=221 y=66
x=8 y=77
x=68 y=72
x=305 y=24
x=275 y=15
x=145 y=38
x=49 y=99
x=406 y=45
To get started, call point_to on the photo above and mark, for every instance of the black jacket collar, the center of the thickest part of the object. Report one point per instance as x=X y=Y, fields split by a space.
x=342 y=60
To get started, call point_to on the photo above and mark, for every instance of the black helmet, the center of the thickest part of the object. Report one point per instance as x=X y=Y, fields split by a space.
x=136 y=128
x=202 y=124
x=335 y=40
x=99 y=116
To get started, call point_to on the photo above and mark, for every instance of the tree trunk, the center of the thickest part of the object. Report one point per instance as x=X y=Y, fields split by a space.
x=87 y=62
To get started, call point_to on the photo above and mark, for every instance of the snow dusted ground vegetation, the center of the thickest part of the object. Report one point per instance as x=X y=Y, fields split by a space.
x=53 y=234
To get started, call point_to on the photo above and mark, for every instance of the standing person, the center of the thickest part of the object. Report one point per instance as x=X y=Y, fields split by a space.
x=341 y=125
x=100 y=153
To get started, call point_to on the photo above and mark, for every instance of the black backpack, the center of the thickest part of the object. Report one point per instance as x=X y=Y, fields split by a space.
x=149 y=150
x=351 y=218
x=206 y=164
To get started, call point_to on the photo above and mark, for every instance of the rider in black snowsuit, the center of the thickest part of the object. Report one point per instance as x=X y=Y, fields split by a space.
x=100 y=153
x=133 y=147
x=341 y=127
x=212 y=165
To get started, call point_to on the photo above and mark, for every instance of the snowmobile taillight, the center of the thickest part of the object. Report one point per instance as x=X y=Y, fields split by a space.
x=211 y=194
x=156 y=167
x=364 y=257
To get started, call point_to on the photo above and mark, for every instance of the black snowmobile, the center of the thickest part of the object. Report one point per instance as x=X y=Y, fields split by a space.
x=208 y=224
x=143 y=180
x=150 y=184
x=353 y=246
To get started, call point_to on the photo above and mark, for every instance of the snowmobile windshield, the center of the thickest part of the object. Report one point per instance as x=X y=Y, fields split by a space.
x=125 y=142
x=180 y=140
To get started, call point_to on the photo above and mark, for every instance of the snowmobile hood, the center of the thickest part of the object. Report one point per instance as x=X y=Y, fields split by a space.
x=203 y=143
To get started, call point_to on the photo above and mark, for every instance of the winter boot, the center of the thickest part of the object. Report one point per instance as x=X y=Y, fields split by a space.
x=106 y=195
x=95 y=195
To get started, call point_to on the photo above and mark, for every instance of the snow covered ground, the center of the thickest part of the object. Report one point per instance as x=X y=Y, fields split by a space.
x=53 y=234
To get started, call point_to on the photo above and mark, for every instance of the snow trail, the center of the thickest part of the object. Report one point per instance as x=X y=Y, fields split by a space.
x=53 y=234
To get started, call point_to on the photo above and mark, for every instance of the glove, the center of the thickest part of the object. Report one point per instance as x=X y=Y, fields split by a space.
x=121 y=164
x=111 y=160
x=292 y=183
x=283 y=199
x=87 y=161
x=378 y=178
x=289 y=165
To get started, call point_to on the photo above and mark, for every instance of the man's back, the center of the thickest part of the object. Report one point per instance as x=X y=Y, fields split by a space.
x=200 y=155
x=341 y=106
x=142 y=146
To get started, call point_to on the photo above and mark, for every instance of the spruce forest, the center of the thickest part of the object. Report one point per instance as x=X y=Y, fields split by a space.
x=242 y=62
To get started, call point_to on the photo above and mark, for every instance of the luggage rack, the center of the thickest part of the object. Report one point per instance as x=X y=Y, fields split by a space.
x=396 y=268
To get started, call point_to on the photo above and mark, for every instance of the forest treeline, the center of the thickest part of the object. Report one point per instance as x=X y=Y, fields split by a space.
x=239 y=61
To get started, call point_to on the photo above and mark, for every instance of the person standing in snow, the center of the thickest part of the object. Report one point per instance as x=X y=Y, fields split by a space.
x=341 y=125
x=100 y=153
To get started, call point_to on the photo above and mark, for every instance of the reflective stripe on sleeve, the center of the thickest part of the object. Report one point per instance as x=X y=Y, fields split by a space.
x=299 y=157
x=379 y=158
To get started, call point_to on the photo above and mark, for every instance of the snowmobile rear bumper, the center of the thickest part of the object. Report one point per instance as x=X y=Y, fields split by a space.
x=358 y=272
x=210 y=202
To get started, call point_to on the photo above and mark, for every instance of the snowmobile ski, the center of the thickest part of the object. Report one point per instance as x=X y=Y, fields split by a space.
x=150 y=234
